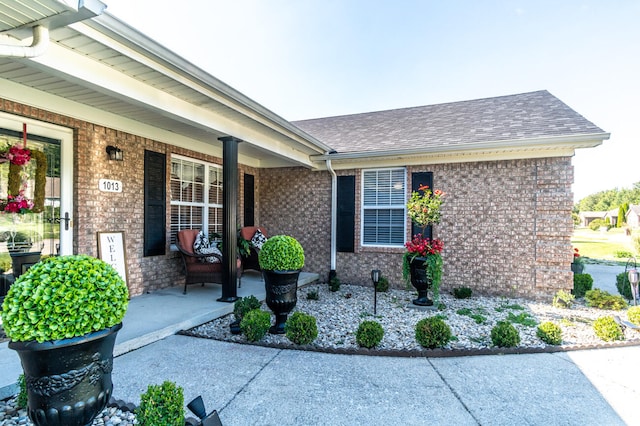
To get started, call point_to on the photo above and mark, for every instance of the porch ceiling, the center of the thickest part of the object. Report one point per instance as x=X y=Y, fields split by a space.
x=145 y=89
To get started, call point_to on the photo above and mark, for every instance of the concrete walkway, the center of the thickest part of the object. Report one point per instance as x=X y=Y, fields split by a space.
x=256 y=385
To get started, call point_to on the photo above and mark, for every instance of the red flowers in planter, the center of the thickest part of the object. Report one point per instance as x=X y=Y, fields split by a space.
x=576 y=253
x=421 y=246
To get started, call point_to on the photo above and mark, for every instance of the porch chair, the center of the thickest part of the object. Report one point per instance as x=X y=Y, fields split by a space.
x=196 y=269
x=251 y=261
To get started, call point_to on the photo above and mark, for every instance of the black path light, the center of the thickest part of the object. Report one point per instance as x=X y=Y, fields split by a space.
x=375 y=277
x=197 y=407
x=633 y=276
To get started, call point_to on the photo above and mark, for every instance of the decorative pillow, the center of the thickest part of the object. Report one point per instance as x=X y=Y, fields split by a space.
x=258 y=239
x=202 y=245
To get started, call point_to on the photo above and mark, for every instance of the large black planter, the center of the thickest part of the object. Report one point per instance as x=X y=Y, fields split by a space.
x=68 y=381
x=420 y=281
x=577 y=268
x=281 y=295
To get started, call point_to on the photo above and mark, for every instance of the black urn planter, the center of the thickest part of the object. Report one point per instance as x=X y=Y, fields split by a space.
x=577 y=268
x=69 y=380
x=281 y=295
x=420 y=281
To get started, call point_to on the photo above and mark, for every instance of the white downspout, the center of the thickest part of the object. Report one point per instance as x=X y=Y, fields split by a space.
x=37 y=48
x=334 y=214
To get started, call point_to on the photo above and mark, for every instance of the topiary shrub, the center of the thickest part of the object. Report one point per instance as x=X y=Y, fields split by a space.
x=244 y=305
x=63 y=297
x=334 y=284
x=161 y=405
x=255 y=324
x=597 y=298
x=563 y=299
x=633 y=313
x=623 y=285
x=607 y=329
x=505 y=335
x=301 y=328
x=581 y=284
x=550 y=333
x=281 y=253
x=433 y=332
x=462 y=292
x=383 y=284
x=369 y=334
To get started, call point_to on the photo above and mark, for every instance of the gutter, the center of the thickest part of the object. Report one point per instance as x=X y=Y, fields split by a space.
x=594 y=139
x=37 y=47
x=334 y=216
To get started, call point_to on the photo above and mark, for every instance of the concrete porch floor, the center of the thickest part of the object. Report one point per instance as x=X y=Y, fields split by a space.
x=157 y=315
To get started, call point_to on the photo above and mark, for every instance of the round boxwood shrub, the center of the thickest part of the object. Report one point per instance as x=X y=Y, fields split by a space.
x=607 y=329
x=255 y=324
x=550 y=333
x=161 y=405
x=633 y=313
x=301 y=328
x=62 y=297
x=281 y=253
x=369 y=334
x=244 y=305
x=505 y=335
x=623 y=285
x=581 y=284
x=601 y=299
x=433 y=332
x=462 y=292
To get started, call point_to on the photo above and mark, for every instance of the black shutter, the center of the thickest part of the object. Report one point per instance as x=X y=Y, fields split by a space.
x=346 y=215
x=417 y=180
x=155 y=203
x=249 y=201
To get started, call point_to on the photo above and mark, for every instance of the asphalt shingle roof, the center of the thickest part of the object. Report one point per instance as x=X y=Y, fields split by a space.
x=522 y=116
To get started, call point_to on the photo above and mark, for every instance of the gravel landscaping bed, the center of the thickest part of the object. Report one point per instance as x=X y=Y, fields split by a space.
x=339 y=313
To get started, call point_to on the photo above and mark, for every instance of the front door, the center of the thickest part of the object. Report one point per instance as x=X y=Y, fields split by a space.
x=45 y=181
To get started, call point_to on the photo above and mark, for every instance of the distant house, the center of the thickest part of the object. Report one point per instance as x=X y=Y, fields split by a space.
x=633 y=216
x=587 y=217
x=612 y=217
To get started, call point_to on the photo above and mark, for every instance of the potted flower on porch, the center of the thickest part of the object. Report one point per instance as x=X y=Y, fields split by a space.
x=422 y=262
x=281 y=259
x=62 y=316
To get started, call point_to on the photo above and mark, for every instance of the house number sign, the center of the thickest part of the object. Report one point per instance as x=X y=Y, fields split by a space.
x=108 y=185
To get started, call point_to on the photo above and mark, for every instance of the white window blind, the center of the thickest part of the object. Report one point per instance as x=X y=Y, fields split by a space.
x=383 y=207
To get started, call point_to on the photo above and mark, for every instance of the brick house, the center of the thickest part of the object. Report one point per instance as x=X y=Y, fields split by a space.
x=504 y=162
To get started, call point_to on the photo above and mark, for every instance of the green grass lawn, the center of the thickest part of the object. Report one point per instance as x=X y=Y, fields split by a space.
x=603 y=245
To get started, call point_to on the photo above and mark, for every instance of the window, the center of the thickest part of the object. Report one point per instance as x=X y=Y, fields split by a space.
x=383 y=207
x=196 y=196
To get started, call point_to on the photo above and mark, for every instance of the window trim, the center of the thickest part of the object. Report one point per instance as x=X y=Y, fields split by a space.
x=379 y=207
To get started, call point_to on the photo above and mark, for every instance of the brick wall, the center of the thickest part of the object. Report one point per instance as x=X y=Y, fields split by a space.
x=506 y=225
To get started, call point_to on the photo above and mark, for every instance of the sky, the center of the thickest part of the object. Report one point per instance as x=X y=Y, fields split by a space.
x=317 y=58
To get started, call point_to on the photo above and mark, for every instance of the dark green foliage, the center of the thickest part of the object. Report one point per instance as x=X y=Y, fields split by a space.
x=369 y=334
x=607 y=329
x=522 y=318
x=581 y=284
x=433 y=332
x=601 y=299
x=550 y=333
x=476 y=315
x=563 y=299
x=21 y=401
x=505 y=335
x=301 y=328
x=623 y=286
x=313 y=295
x=383 y=284
x=281 y=253
x=255 y=324
x=161 y=405
x=610 y=199
x=506 y=306
x=334 y=284
x=244 y=305
x=622 y=213
x=633 y=313
x=62 y=297
x=462 y=292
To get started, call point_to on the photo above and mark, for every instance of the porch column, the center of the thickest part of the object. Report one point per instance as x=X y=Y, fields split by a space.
x=229 y=214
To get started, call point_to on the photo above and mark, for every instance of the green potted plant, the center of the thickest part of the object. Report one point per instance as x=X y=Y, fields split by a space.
x=281 y=259
x=422 y=262
x=62 y=316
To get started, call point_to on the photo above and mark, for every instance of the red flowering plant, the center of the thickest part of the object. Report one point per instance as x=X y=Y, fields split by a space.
x=16 y=204
x=16 y=155
x=577 y=259
x=423 y=209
